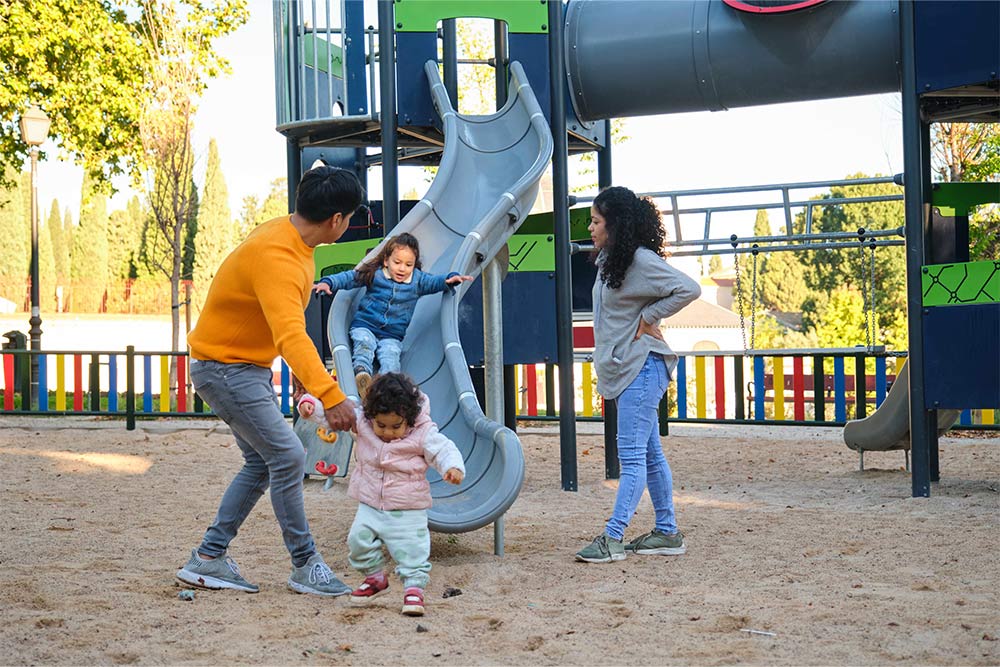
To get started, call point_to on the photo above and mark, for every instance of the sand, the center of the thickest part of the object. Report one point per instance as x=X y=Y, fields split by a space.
x=785 y=536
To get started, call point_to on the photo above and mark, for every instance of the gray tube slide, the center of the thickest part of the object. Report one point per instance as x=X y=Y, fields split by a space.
x=888 y=427
x=485 y=187
x=643 y=57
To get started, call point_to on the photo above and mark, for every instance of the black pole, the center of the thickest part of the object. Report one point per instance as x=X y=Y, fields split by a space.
x=501 y=56
x=611 y=467
x=294 y=162
x=510 y=397
x=914 y=165
x=604 y=178
x=95 y=382
x=934 y=467
x=564 y=276
x=130 y=388
x=35 y=321
x=449 y=44
x=387 y=115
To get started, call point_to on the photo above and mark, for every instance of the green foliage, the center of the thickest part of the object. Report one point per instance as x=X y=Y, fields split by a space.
x=14 y=233
x=842 y=320
x=81 y=62
x=89 y=257
x=60 y=248
x=191 y=237
x=714 y=265
x=216 y=233
x=965 y=151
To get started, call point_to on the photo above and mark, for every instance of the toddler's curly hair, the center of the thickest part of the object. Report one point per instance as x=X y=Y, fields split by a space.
x=393 y=393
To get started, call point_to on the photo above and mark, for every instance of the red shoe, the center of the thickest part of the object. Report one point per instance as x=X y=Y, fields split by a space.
x=413 y=601
x=372 y=586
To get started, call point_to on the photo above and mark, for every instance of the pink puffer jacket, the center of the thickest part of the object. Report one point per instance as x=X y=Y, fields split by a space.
x=393 y=475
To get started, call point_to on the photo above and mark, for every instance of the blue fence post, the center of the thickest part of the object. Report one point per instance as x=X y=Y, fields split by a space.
x=112 y=383
x=758 y=388
x=682 y=394
x=880 y=381
x=285 y=383
x=839 y=390
x=43 y=385
x=147 y=383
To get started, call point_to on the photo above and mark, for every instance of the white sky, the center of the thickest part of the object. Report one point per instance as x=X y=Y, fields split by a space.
x=762 y=145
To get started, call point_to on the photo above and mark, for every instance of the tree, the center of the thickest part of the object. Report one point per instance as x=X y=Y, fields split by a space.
x=216 y=234
x=965 y=151
x=14 y=238
x=89 y=257
x=60 y=250
x=842 y=320
x=714 y=265
x=57 y=54
x=191 y=236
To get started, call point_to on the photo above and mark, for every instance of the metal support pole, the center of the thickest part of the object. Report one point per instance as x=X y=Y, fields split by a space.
x=387 y=115
x=914 y=165
x=294 y=162
x=493 y=362
x=35 y=321
x=130 y=388
x=564 y=278
x=611 y=466
x=501 y=57
x=604 y=159
x=449 y=44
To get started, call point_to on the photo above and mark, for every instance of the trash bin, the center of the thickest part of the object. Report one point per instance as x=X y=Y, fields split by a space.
x=17 y=341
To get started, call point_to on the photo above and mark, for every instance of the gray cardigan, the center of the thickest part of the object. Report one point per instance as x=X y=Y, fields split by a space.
x=653 y=290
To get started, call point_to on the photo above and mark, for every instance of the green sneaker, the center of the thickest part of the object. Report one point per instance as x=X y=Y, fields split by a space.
x=655 y=543
x=220 y=572
x=603 y=549
x=317 y=578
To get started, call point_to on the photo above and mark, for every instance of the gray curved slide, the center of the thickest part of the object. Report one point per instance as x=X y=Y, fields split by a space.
x=888 y=427
x=485 y=187
x=644 y=57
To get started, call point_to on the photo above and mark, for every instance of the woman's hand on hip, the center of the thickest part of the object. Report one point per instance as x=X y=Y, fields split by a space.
x=645 y=328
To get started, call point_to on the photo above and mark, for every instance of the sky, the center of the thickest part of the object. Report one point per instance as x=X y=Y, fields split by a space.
x=806 y=141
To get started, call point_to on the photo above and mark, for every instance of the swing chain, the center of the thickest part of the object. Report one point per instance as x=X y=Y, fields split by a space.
x=753 y=299
x=868 y=289
x=739 y=289
x=874 y=314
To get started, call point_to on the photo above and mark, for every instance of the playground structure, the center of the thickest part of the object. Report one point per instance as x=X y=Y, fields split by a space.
x=584 y=61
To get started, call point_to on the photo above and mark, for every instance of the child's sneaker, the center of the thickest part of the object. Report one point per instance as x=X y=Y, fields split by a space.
x=372 y=586
x=603 y=549
x=363 y=380
x=214 y=574
x=655 y=543
x=413 y=601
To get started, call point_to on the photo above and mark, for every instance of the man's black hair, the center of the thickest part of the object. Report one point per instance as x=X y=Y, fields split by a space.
x=324 y=191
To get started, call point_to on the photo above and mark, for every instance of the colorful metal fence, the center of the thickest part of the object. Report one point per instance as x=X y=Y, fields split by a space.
x=92 y=384
x=776 y=387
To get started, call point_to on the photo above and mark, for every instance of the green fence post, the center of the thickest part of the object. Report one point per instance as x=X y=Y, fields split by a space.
x=95 y=383
x=130 y=388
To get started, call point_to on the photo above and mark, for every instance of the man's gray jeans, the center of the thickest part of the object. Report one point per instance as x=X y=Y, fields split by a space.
x=243 y=396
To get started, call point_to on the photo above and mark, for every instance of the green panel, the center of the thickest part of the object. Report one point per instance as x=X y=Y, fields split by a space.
x=524 y=16
x=542 y=223
x=958 y=198
x=961 y=283
x=338 y=257
x=325 y=50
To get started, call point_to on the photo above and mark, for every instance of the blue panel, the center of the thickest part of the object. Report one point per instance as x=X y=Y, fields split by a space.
x=965 y=418
x=354 y=57
x=839 y=391
x=43 y=387
x=532 y=51
x=958 y=43
x=285 y=383
x=758 y=388
x=962 y=356
x=413 y=96
x=113 y=382
x=879 y=381
x=529 y=319
x=147 y=383
x=682 y=388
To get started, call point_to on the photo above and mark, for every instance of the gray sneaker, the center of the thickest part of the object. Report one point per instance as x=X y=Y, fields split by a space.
x=317 y=578
x=603 y=549
x=220 y=572
x=655 y=543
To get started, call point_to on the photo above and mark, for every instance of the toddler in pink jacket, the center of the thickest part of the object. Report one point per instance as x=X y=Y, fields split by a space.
x=395 y=442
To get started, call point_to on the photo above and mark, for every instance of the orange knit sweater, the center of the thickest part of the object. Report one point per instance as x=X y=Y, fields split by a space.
x=255 y=309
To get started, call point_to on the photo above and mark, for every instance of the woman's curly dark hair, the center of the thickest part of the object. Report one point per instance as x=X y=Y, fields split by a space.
x=393 y=393
x=631 y=222
x=366 y=273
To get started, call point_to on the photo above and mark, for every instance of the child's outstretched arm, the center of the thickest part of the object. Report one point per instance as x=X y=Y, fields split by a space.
x=429 y=283
x=442 y=454
x=337 y=281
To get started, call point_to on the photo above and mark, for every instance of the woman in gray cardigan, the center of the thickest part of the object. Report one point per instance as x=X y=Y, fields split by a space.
x=634 y=290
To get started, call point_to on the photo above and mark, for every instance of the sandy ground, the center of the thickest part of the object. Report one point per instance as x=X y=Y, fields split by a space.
x=785 y=536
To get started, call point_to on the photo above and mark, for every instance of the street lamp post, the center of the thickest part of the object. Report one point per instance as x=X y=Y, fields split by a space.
x=34 y=130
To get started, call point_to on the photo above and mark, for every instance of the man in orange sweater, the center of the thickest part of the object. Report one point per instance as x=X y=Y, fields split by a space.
x=254 y=312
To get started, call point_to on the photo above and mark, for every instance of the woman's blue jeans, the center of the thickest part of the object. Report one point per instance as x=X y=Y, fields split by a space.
x=640 y=453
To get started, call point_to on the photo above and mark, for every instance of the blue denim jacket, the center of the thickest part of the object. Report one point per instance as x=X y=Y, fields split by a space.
x=387 y=306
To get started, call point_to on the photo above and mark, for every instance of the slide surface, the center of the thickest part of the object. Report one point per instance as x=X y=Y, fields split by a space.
x=888 y=427
x=485 y=187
